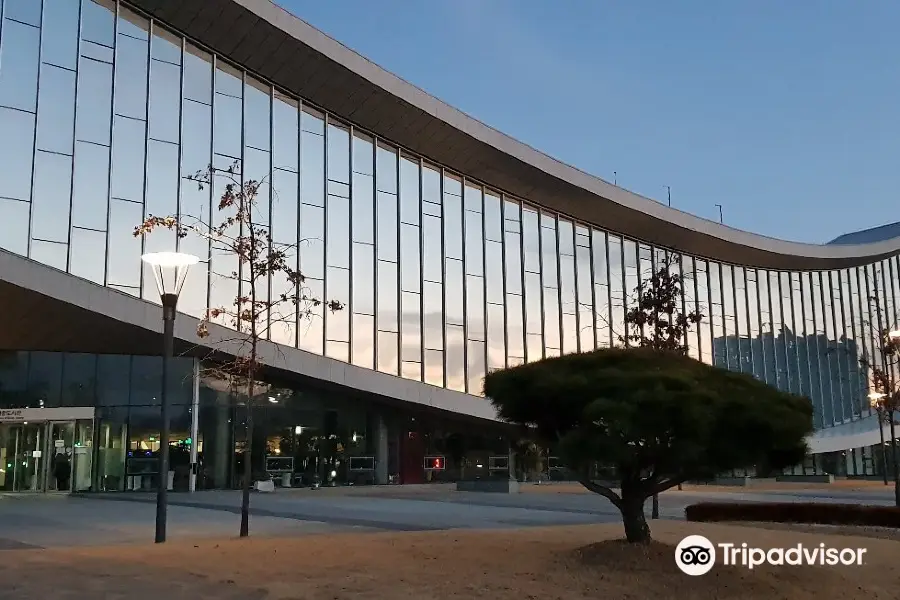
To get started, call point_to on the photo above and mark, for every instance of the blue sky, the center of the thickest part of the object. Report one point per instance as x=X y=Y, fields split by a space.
x=786 y=113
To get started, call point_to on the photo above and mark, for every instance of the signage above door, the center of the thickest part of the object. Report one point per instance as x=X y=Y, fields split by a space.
x=65 y=413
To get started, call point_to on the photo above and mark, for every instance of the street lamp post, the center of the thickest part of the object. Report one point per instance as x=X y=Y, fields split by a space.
x=170 y=270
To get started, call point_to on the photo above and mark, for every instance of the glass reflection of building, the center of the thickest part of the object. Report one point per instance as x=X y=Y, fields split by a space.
x=444 y=278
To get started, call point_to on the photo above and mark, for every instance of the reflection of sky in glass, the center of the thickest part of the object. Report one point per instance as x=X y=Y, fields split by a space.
x=442 y=278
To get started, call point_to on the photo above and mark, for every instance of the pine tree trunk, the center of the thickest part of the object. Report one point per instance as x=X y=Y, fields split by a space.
x=636 y=529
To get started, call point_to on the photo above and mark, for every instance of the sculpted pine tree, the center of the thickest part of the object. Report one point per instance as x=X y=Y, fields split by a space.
x=655 y=416
x=254 y=311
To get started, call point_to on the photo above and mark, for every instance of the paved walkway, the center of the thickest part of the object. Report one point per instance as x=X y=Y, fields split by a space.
x=53 y=521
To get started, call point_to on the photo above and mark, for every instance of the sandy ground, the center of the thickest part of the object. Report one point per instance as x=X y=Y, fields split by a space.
x=550 y=563
x=841 y=484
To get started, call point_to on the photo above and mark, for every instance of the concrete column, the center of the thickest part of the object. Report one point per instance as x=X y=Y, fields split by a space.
x=381 y=450
x=512 y=463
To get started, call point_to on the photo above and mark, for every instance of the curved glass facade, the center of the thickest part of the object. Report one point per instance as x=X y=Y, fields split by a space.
x=443 y=278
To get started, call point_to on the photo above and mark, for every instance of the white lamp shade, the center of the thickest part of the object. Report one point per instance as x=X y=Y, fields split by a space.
x=170 y=270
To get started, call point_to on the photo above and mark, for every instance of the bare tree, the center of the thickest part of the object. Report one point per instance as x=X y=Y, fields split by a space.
x=656 y=318
x=254 y=310
x=884 y=397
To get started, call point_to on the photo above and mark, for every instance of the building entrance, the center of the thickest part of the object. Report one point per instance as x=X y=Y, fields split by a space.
x=41 y=453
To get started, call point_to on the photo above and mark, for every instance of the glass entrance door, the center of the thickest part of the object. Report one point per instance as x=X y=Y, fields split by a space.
x=61 y=449
x=23 y=457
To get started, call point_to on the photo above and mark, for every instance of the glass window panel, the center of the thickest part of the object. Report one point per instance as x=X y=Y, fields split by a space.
x=434 y=367
x=50 y=253
x=705 y=308
x=515 y=329
x=799 y=313
x=452 y=184
x=387 y=352
x=549 y=253
x=453 y=246
x=16 y=159
x=412 y=327
x=495 y=334
x=630 y=262
x=616 y=289
x=409 y=265
x=818 y=358
x=195 y=203
x=475 y=307
x=766 y=329
x=165 y=46
x=473 y=198
x=165 y=102
x=94 y=102
x=50 y=211
x=162 y=180
x=363 y=279
x=386 y=174
x=387 y=226
x=338 y=140
x=475 y=359
x=551 y=318
x=56 y=120
x=455 y=359
x=431 y=184
x=312 y=160
x=409 y=191
x=14 y=225
x=433 y=316
x=257 y=168
x=284 y=209
x=494 y=271
x=98 y=21
x=453 y=287
x=432 y=258
x=88 y=250
x=18 y=78
x=493 y=218
x=513 y=252
x=131 y=77
x=411 y=370
x=337 y=287
x=743 y=325
x=474 y=239
x=756 y=351
x=363 y=209
x=45 y=377
x=228 y=116
x=585 y=306
x=311 y=328
x=337 y=236
x=364 y=341
x=689 y=282
x=285 y=143
x=91 y=189
x=26 y=11
x=602 y=310
x=257 y=111
x=730 y=316
x=792 y=329
x=97 y=52
x=124 y=248
x=312 y=247
x=198 y=75
x=719 y=348
x=533 y=303
x=128 y=160
x=337 y=350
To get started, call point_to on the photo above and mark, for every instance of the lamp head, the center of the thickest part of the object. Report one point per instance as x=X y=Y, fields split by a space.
x=170 y=270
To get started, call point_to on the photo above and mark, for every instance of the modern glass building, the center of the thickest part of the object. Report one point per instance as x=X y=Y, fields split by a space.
x=454 y=248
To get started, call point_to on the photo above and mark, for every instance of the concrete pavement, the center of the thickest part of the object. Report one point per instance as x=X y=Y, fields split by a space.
x=50 y=521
